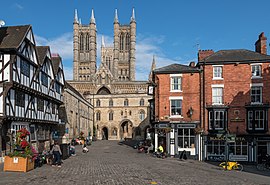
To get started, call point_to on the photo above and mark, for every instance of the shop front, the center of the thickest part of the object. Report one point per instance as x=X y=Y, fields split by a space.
x=237 y=148
x=178 y=138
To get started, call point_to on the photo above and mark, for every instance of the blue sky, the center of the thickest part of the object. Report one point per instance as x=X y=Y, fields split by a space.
x=171 y=30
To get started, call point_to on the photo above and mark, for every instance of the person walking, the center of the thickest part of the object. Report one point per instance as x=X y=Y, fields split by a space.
x=56 y=151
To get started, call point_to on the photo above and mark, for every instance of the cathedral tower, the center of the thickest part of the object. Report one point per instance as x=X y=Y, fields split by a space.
x=124 y=49
x=84 y=49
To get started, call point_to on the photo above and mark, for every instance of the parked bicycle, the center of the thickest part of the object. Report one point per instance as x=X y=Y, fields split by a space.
x=265 y=165
x=231 y=165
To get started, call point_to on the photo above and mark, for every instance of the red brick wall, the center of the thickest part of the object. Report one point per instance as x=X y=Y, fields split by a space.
x=190 y=93
x=236 y=80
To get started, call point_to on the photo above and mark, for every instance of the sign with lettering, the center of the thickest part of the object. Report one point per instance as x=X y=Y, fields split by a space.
x=238 y=158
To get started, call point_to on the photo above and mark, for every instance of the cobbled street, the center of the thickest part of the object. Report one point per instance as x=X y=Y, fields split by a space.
x=111 y=163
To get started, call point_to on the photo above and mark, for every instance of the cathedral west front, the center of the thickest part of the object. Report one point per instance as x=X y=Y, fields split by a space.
x=121 y=106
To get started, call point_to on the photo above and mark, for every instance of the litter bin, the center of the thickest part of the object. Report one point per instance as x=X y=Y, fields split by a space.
x=65 y=151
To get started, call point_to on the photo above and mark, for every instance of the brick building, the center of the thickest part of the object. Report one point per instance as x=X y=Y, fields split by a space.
x=177 y=108
x=235 y=85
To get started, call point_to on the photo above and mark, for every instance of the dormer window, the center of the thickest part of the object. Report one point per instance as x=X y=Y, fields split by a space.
x=256 y=70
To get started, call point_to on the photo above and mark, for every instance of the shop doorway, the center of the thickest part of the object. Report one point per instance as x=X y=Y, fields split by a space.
x=104 y=133
x=126 y=130
x=262 y=151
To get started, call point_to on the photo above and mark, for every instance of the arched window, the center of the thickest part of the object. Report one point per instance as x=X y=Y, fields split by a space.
x=110 y=103
x=142 y=115
x=126 y=102
x=127 y=42
x=122 y=113
x=111 y=115
x=121 y=41
x=98 y=103
x=81 y=41
x=142 y=102
x=98 y=114
x=87 y=42
x=130 y=112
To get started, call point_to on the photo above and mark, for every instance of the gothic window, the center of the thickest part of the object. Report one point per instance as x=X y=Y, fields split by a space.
x=110 y=116
x=126 y=102
x=19 y=99
x=142 y=102
x=98 y=115
x=81 y=42
x=110 y=103
x=87 y=42
x=121 y=41
x=142 y=115
x=98 y=103
x=127 y=42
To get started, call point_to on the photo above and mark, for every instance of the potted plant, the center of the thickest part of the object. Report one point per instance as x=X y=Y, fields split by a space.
x=23 y=155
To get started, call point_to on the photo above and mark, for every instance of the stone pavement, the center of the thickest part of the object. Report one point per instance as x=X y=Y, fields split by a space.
x=110 y=163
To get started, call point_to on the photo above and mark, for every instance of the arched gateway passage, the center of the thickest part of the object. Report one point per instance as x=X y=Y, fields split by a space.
x=104 y=133
x=126 y=129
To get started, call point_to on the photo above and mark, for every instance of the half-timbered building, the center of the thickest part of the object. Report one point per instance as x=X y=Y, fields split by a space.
x=30 y=88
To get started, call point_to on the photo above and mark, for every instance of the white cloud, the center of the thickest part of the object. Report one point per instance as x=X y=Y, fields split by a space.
x=18 y=6
x=146 y=48
x=62 y=45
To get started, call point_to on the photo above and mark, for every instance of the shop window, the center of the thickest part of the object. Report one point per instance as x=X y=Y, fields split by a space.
x=238 y=148
x=216 y=148
x=186 y=138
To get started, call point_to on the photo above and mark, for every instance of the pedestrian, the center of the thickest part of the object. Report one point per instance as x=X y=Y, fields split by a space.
x=56 y=151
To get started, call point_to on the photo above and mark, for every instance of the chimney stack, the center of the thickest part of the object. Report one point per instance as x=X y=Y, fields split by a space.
x=204 y=53
x=260 y=45
x=192 y=64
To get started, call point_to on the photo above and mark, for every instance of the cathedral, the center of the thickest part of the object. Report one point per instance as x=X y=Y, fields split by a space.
x=121 y=107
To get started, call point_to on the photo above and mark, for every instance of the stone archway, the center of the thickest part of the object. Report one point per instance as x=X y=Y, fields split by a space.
x=126 y=129
x=104 y=133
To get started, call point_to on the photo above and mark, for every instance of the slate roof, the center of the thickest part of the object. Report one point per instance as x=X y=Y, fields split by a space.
x=42 y=53
x=237 y=55
x=12 y=36
x=68 y=86
x=176 y=68
x=55 y=63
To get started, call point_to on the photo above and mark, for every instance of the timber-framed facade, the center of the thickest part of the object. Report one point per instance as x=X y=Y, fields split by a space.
x=30 y=89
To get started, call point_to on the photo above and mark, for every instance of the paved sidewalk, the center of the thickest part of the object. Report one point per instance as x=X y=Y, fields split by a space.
x=110 y=163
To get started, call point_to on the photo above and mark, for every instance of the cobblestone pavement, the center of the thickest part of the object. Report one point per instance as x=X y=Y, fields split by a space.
x=110 y=163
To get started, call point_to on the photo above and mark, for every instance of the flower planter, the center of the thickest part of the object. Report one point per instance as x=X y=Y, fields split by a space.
x=18 y=164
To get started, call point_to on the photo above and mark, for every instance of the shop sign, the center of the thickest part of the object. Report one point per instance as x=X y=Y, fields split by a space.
x=237 y=120
x=216 y=157
x=238 y=158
